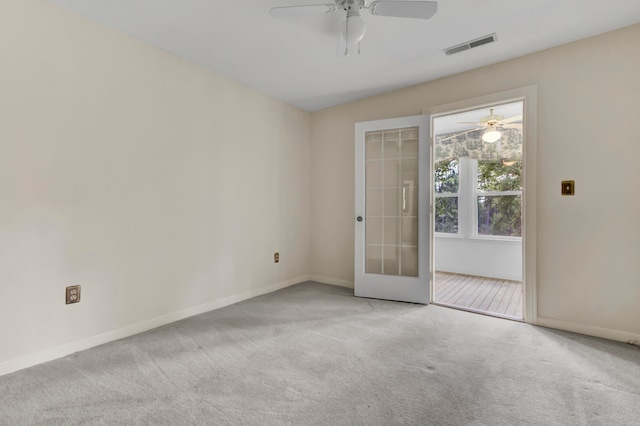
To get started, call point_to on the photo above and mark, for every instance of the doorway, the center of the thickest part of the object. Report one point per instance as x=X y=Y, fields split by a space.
x=478 y=220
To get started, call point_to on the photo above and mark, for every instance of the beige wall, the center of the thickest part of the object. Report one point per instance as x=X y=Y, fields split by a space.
x=588 y=274
x=163 y=189
x=160 y=187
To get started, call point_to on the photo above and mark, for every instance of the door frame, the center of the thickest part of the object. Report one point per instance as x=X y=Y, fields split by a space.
x=528 y=95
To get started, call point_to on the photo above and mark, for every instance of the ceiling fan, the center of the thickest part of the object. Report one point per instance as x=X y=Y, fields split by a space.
x=493 y=124
x=353 y=28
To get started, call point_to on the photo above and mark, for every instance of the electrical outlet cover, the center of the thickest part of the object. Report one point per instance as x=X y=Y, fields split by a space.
x=73 y=294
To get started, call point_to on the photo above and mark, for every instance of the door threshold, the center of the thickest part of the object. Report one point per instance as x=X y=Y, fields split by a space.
x=478 y=311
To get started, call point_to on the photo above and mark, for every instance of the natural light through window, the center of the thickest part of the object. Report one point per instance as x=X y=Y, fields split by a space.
x=478 y=184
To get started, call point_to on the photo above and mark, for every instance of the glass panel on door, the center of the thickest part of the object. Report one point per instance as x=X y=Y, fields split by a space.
x=391 y=202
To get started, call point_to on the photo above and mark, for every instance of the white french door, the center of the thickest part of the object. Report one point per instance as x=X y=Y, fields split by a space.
x=392 y=209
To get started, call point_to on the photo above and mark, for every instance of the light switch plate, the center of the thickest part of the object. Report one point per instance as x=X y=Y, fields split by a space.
x=568 y=187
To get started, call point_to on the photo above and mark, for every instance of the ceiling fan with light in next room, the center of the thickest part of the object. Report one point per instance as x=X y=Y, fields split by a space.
x=353 y=28
x=493 y=124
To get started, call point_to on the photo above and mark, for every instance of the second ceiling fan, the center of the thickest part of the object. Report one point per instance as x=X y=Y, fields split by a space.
x=492 y=125
x=354 y=28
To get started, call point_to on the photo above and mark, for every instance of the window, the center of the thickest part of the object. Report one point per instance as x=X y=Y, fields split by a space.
x=478 y=198
x=447 y=178
x=498 y=198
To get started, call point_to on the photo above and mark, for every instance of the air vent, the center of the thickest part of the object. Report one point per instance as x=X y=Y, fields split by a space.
x=471 y=44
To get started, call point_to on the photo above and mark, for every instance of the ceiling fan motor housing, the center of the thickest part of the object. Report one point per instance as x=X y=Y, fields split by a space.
x=492 y=119
x=350 y=4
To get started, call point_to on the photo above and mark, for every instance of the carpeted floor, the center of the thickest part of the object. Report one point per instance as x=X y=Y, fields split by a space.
x=313 y=354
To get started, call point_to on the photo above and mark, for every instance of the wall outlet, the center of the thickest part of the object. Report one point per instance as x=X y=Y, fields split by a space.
x=73 y=294
x=276 y=257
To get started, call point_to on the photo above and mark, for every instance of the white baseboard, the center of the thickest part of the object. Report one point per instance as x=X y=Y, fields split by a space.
x=30 y=360
x=590 y=330
x=331 y=281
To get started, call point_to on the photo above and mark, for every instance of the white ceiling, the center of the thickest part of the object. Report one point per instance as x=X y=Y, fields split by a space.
x=295 y=59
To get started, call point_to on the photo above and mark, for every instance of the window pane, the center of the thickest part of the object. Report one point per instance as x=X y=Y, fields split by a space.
x=391 y=260
x=373 y=259
x=373 y=230
x=446 y=176
x=373 y=174
x=446 y=215
x=391 y=173
x=409 y=148
x=373 y=145
x=374 y=202
x=391 y=234
x=409 y=231
x=391 y=203
x=409 y=261
x=391 y=146
x=409 y=172
x=500 y=215
x=495 y=176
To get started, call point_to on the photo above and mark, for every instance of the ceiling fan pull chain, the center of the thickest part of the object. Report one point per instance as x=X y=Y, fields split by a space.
x=346 y=35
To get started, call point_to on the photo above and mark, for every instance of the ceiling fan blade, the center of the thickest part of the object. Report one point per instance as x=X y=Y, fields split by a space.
x=459 y=134
x=309 y=9
x=404 y=9
x=512 y=119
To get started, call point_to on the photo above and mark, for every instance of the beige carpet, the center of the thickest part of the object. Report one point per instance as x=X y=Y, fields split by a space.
x=313 y=354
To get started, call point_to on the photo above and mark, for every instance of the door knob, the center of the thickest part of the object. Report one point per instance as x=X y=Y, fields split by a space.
x=359 y=218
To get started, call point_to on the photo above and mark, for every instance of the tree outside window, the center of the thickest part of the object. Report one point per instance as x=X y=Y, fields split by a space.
x=446 y=193
x=499 y=198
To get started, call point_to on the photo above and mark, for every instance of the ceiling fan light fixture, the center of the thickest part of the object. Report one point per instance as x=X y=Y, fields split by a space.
x=491 y=135
x=353 y=28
